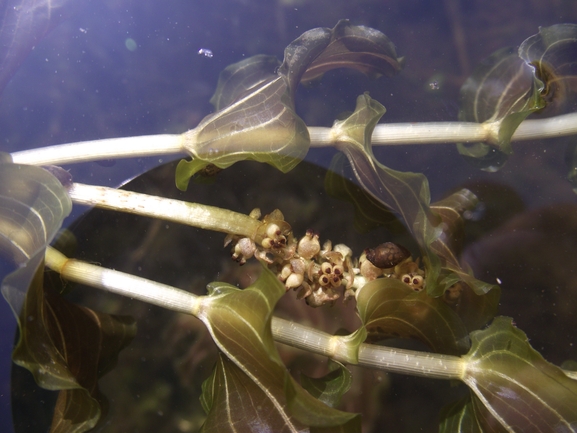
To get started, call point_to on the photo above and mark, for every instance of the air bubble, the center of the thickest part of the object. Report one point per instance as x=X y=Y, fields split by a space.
x=205 y=52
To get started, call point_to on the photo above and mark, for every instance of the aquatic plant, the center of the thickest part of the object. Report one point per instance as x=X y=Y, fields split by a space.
x=423 y=292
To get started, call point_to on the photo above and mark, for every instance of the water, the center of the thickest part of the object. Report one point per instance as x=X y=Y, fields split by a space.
x=123 y=68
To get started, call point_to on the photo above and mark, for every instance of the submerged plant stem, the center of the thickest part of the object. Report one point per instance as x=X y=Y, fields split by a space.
x=193 y=214
x=431 y=365
x=121 y=283
x=108 y=148
x=390 y=359
x=383 y=135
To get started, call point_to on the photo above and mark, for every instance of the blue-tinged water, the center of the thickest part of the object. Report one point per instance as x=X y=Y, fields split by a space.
x=118 y=68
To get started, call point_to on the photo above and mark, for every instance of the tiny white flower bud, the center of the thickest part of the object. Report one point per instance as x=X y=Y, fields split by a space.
x=285 y=272
x=294 y=281
x=309 y=246
x=344 y=250
x=273 y=231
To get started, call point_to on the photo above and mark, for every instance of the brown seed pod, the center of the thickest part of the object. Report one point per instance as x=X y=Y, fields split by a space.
x=387 y=255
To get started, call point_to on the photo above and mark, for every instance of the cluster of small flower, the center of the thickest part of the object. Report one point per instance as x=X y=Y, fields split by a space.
x=318 y=273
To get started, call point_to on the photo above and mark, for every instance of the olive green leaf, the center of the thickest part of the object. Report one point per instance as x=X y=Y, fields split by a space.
x=477 y=309
x=501 y=93
x=33 y=204
x=450 y=209
x=369 y=212
x=265 y=396
x=449 y=244
x=255 y=99
x=406 y=194
x=513 y=385
x=459 y=417
x=331 y=387
x=511 y=84
x=552 y=53
x=68 y=348
x=436 y=227
x=260 y=126
x=243 y=78
x=389 y=308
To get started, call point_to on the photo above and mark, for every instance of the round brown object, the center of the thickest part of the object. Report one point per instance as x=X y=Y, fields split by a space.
x=387 y=255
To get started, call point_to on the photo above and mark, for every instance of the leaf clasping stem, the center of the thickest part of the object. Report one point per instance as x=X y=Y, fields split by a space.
x=395 y=360
x=383 y=135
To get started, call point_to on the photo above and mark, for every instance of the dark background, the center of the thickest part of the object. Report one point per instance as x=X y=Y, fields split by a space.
x=83 y=83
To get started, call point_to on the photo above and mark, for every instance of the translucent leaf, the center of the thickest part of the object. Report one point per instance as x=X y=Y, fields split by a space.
x=240 y=79
x=261 y=126
x=255 y=99
x=552 y=53
x=253 y=367
x=390 y=309
x=436 y=228
x=331 y=387
x=345 y=46
x=449 y=244
x=501 y=93
x=510 y=85
x=515 y=386
x=369 y=212
x=407 y=194
x=477 y=309
x=33 y=204
x=460 y=417
x=68 y=348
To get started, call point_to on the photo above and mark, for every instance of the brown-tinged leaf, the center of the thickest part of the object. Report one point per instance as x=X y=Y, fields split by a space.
x=331 y=387
x=389 y=308
x=436 y=228
x=68 y=348
x=406 y=194
x=255 y=99
x=552 y=53
x=251 y=387
x=345 y=46
x=448 y=247
x=511 y=84
x=459 y=417
x=501 y=93
x=370 y=213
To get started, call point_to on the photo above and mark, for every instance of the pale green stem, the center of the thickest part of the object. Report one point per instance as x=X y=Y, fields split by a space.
x=300 y=336
x=193 y=214
x=108 y=148
x=121 y=283
x=431 y=365
x=384 y=134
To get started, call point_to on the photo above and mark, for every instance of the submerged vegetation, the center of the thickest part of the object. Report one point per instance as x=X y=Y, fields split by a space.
x=420 y=290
